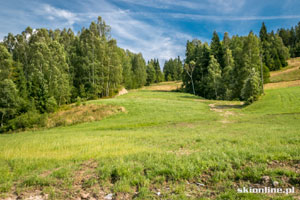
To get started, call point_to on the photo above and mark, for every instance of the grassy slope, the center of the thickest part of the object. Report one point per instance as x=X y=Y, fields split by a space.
x=287 y=76
x=290 y=73
x=165 y=142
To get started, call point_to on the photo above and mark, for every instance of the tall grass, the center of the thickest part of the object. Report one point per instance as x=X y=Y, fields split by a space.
x=165 y=142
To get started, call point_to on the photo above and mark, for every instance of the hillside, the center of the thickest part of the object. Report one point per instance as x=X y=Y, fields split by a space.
x=286 y=77
x=166 y=145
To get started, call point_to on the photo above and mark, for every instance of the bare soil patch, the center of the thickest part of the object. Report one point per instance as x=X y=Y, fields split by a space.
x=222 y=109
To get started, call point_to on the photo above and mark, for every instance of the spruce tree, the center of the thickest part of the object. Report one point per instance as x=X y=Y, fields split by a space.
x=217 y=49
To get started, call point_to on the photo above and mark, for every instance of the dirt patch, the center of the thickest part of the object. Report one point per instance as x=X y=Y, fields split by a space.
x=282 y=84
x=185 y=124
x=83 y=113
x=85 y=181
x=222 y=110
x=28 y=195
x=293 y=165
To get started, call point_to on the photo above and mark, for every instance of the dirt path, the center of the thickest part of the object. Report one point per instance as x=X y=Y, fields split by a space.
x=222 y=110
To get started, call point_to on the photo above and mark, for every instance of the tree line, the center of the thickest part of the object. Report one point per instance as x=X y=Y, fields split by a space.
x=42 y=69
x=291 y=39
x=234 y=68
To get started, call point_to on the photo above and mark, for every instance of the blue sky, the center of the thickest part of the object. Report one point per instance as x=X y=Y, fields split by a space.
x=157 y=28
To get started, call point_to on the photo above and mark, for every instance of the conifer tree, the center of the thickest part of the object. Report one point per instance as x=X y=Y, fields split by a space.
x=216 y=49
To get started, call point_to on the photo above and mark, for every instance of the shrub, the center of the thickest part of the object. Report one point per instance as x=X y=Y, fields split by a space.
x=51 y=104
x=251 y=89
x=78 y=101
x=27 y=120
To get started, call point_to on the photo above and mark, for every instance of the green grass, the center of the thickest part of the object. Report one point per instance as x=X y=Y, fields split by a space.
x=288 y=76
x=165 y=141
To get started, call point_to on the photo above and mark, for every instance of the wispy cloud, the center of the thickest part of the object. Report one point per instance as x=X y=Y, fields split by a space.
x=157 y=28
x=155 y=40
x=221 y=6
x=54 y=13
x=230 y=18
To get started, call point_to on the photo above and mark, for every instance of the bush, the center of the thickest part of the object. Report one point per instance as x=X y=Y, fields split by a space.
x=251 y=89
x=78 y=101
x=30 y=119
x=51 y=104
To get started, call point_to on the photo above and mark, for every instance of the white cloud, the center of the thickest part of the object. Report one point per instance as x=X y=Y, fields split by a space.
x=230 y=18
x=220 y=6
x=226 y=6
x=138 y=31
x=153 y=40
x=57 y=15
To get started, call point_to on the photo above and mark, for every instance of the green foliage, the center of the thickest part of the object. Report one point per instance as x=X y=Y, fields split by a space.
x=139 y=71
x=252 y=87
x=291 y=39
x=51 y=104
x=274 y=51
x=151 y=74
x=9 y=100
x=30 y=119
x=217 y=78
x=78 y=101
x=214 y=76
x=159 y=77
x=51 y=68
x=227 y=80
x=217 y=49
x=173 y=69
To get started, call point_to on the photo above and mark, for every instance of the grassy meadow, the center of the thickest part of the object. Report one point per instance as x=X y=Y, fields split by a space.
x=289 y=73
x=165 y=145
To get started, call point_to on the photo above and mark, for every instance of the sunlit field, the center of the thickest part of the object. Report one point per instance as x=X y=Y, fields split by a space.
x=166 y=145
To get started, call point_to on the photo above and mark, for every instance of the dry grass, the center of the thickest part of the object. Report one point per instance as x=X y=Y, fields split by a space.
x=293 y=68
x=122 y=92
x=166 y=86
x=83 y=113
x=289 y=73
x=282 y=84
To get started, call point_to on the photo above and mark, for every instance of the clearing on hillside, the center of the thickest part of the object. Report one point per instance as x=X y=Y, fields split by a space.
x=167 y=145
x=286 y=77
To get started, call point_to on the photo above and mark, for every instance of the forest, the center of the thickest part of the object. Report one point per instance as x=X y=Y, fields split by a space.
x=41 y=70
x=235 y=68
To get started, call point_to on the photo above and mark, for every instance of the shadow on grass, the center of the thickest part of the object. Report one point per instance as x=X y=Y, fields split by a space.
x=193 y=97
x=164 y=91
x=225 y=106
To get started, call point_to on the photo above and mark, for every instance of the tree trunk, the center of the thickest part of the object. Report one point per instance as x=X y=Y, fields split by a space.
x=2 y=119
x=193 y=85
